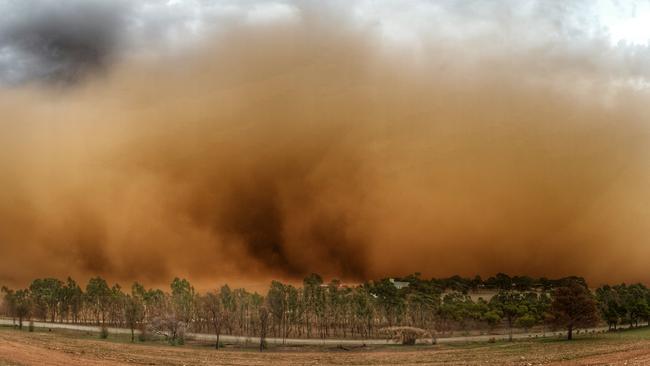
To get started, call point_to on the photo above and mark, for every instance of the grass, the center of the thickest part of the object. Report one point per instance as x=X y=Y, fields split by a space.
x=530 y=350
x=640 y=333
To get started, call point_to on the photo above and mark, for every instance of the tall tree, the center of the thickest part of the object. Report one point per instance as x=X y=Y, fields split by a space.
x=511 y=306
x=46 y=294
x=264 y=326
x=313 y=299
x=18 y=304
x=98 y=296
x=183 y=298
x=277 y=302
x=133 y=313
x=573 y=306
x=213 y=312
x=610 y=305
x=71 y=300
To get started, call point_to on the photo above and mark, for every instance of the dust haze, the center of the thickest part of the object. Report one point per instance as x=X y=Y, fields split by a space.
x=277 y=149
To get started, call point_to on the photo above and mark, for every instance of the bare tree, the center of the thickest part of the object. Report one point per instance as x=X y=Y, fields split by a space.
x=214 y=312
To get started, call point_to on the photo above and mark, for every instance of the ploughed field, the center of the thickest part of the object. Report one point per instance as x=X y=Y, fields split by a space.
x=64 y=347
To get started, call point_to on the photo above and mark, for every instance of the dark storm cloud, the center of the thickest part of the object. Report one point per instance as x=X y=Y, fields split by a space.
x=58 y=41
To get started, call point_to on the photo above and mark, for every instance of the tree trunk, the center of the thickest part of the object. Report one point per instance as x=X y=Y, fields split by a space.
x=509 y=330
x=570 y=333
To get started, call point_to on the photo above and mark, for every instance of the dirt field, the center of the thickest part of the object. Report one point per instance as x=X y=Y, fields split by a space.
x=75 y=348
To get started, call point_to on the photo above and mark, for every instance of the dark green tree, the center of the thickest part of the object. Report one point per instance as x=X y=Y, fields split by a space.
x=46 y=296
x=573 y=306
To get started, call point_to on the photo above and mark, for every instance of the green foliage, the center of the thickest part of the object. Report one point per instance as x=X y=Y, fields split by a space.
x=133 y=313
x=526 y=321
x=183 y=298
x=97 y=297
x=332 y=309
x=492 y=318
x=19 y=304
x=46 y=294
x=573 y=307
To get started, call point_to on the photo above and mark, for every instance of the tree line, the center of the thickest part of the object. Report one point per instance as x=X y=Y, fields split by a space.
x=334 y=310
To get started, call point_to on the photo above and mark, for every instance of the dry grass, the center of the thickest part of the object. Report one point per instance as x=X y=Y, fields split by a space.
x=77 y=348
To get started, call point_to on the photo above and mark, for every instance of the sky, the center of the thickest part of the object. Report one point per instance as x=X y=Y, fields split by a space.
x=241 y=141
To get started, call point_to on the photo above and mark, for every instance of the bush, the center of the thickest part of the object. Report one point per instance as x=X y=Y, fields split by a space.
x=526 y=322
x=180 y=340
x=142 y=335
x=405 y=335
x=103 y=332
x=170 y=327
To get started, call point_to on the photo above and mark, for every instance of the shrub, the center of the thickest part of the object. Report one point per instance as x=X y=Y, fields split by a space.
x=170 y=327
x=103 y=332
x=142 y=335
x=404 y=335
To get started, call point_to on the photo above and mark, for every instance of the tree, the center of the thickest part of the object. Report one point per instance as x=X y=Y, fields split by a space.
x=610 y=305
x=46 y=295
x=183 y=299
x=98 y=298
x=634 y=302
x=264 y=325
x=9 y=303
x=228 y=305
x=313 y=299
x=71 y=300
x=23 y=305
x=116 y=305
x=212 y=309
x=19 y=304
x=277 y=302
x=573 y=306
x=389 y=300
x=510 y=305
x=133 y=313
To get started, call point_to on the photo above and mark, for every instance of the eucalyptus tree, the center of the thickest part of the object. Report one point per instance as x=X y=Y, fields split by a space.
x=98 y=296
x=46 y=296
x=277 y=302
x=71 y=301
x=213 y=312
x=183 y=299
x=313 y=299
x=133 y=313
